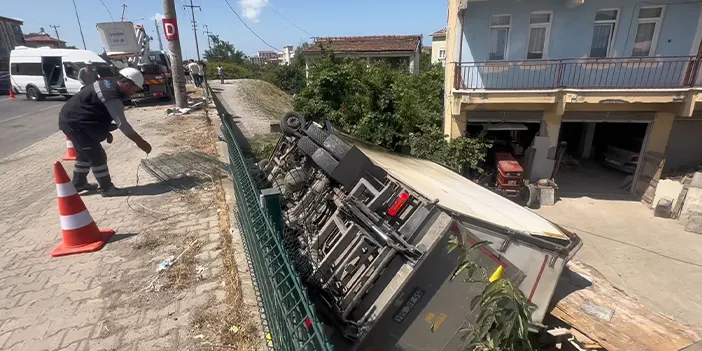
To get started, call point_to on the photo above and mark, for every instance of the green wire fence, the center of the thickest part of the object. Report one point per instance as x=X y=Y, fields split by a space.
x=286 y=311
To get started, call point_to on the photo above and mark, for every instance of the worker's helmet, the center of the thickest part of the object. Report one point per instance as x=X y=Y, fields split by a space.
x=133 y=75
x=89 y=62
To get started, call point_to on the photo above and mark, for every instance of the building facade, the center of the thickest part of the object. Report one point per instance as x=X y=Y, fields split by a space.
x=43 y=39
x=438 y=46
x=397 y=50
x=10 y=37
x=590 y=73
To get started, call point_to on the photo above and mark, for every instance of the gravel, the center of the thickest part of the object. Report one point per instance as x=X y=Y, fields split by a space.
x=254 y=102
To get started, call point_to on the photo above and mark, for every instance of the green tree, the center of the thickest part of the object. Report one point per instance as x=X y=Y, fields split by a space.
x=223 y=51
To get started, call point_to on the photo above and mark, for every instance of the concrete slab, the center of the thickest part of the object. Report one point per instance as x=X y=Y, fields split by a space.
x=696 y=180
x=651 y=258
x=667 y=188
x=692 y=204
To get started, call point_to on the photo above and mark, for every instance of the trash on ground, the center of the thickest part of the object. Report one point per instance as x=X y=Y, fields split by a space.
x=165 y=264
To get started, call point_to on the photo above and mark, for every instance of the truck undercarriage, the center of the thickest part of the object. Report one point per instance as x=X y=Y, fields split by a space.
x=371 y=249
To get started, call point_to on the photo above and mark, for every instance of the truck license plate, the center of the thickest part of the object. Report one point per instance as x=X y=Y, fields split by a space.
x=513 y=182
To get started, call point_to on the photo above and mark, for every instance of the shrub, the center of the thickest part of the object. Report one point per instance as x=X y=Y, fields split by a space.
x=388 y=107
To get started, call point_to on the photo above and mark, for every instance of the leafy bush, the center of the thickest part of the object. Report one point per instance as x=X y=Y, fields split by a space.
x=388 y=107
x=504 y=312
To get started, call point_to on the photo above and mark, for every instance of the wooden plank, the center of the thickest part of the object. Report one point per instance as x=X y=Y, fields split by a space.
x=585 y=300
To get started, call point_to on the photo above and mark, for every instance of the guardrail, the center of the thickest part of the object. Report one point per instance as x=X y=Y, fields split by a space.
x=288 y=316
x=584 y=73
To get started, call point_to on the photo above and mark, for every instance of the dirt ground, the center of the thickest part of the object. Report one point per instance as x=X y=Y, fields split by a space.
x=650 y=258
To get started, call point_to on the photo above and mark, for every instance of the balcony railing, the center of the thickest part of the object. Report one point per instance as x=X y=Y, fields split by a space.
x=584 y=73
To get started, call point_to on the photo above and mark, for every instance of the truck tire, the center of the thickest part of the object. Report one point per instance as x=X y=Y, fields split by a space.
x=291 y=123
x=33 y=93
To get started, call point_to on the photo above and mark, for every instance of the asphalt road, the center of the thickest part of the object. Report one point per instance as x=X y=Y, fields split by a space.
x=24 y=122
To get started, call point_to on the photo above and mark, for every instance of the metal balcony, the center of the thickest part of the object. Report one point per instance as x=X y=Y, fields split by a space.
x=663 y=72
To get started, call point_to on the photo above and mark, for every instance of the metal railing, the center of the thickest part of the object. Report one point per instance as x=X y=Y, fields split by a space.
x=584 y=73
x=287 y=313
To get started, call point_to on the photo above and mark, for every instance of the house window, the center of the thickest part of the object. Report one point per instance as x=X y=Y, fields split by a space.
x=539 y=31
x=603 y=32
x=442 y=53
x=499 y=36
x=649 y=23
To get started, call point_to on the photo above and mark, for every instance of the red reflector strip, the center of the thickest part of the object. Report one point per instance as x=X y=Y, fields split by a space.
x=398 y=204
x=308 y=323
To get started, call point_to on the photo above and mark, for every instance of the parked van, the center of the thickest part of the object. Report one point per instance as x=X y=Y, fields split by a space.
x=41 y=72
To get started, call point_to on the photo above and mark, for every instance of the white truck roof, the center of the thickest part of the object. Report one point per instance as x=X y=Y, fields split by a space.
x=73 y=55
x=458 y=194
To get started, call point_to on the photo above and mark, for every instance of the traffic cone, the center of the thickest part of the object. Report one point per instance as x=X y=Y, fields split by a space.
x=12 y=94
x=80 y=233
x=71 y=154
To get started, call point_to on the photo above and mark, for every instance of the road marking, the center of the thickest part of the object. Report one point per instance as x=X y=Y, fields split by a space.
x=30 y=113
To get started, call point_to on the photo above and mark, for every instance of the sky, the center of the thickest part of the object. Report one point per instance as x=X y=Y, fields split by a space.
x=315 y=17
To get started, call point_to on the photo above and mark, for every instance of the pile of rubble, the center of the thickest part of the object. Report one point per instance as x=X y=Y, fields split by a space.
x=193 y=105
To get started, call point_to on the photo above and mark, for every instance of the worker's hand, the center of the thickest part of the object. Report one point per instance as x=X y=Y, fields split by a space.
x=145 y=146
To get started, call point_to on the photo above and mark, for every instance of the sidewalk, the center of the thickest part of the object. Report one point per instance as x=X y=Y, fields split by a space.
x=114 y=299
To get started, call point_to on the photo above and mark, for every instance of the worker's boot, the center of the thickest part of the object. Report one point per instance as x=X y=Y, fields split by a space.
x=113 y=191
x=85 y=186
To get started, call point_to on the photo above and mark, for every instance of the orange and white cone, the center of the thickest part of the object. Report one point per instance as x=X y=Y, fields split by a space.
x=71 y=154
x=80 y=233
x=12 y=94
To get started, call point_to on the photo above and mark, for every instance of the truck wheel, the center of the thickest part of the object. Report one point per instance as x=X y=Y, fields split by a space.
x=34 y=94
x=532 y=197
x=291 y=123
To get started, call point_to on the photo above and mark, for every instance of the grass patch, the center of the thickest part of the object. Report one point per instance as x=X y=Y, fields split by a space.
x=267 y=98
x=262 y=145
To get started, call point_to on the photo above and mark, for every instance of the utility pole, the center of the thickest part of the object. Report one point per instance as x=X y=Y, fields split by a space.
x=197 y=47
x=169 y=12
x=158 y=34
x=55 y=27
x=207 y=32
x=124 y=7
x=79 y=26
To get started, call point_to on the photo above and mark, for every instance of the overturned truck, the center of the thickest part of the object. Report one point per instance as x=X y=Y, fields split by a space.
x=368 y=231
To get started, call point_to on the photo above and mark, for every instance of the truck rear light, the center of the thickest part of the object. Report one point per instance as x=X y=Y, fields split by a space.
x=399 y=202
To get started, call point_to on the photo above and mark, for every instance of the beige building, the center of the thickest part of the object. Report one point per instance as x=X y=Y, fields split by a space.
x=398 y=50
x=616 y=85
x=438 y=46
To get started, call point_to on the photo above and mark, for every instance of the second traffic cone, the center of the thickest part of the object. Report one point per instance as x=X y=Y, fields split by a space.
x=80 y=233
x=71 y=154
x=12 y=94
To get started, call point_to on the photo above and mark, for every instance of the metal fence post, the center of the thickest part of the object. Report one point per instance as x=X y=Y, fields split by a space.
x=270 y=202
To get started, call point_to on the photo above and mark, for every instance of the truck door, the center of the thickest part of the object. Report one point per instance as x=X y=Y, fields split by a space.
x=52 y=71
x=70 y=72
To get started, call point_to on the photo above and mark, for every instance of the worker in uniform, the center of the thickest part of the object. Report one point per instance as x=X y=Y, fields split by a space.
x=87 y=120
x=87 y=75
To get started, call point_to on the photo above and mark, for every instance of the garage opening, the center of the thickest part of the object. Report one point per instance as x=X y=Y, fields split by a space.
x=601 y=157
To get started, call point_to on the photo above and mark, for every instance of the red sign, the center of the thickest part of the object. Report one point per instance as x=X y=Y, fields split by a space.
x=170 y=29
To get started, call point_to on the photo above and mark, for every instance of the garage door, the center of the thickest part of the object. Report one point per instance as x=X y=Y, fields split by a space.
x=615 y=117
x=505 y=116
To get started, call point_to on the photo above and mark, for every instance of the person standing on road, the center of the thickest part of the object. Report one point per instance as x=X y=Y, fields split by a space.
x=220 y=73
x=87 y=75
x=203 y=69
x=194 y=72
x=86 y=120
x=188 y=78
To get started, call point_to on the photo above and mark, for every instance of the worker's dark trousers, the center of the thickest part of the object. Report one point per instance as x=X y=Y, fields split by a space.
x=91 y=156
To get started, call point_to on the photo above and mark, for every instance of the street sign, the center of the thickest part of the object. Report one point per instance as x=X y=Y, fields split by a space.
x=170 y=28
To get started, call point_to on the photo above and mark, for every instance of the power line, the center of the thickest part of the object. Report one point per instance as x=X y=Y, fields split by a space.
x=108 y=10
x=79 y=26
x=249 y=28
x=192 y=10
x=285 y=18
